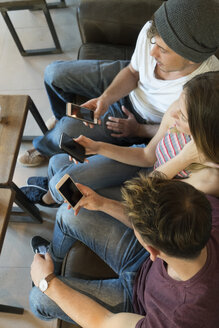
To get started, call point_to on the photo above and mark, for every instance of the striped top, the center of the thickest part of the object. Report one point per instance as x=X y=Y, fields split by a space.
x=169 y=146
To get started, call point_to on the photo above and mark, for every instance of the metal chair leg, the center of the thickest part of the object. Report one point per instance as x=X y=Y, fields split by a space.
x=11 y=309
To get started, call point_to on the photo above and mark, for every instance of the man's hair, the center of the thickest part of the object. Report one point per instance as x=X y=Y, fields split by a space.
x=152 y=31
x=169 y=215
x=202 y=103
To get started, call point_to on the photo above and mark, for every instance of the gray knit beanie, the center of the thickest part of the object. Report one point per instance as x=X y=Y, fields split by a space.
x=189 y=27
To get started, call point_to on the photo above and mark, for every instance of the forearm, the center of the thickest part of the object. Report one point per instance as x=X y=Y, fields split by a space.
x=121 y=86
x=79 y=307
x=147 y=130
x=115 y=209
x=85 y=311
x=173 y=166
x=128 y=155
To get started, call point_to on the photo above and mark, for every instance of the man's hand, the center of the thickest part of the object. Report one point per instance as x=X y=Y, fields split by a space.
x=99 y=106
x=91 y=200
x=41 y=267
x=124 y=127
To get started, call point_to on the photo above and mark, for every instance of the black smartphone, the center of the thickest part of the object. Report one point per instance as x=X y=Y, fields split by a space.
x=69 y=190
x=80 y=113
x=71 y=147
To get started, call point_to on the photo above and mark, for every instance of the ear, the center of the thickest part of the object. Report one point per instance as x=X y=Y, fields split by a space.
x=154 y=253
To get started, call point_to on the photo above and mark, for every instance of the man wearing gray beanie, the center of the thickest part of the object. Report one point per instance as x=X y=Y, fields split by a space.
x=172 y=49
x=193 y=35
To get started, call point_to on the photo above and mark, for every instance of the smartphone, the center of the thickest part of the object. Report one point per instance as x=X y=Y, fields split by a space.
x=71 y=147
x=67 y=188
x=80 y=113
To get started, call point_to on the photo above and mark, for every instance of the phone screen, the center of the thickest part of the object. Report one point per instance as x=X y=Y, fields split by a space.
x=82 y=113
x=72 y=148
x=71 y=192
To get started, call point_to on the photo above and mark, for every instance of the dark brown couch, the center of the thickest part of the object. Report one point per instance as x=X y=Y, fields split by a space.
x=109 y=31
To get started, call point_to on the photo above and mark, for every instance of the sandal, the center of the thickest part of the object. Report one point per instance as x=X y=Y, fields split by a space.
x=38 y=181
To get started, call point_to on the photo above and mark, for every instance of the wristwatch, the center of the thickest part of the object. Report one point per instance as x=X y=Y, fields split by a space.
x=44 y=283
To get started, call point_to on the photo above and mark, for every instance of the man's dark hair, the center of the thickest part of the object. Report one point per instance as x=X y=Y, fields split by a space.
x=170 y=215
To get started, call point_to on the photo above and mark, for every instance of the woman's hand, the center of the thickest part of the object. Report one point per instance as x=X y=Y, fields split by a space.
x=193 y=155
x=190 y=154
x=91 y=147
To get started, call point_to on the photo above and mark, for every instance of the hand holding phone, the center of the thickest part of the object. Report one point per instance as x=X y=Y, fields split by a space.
x=71 y=147
x=80 y=113
x=69 y=191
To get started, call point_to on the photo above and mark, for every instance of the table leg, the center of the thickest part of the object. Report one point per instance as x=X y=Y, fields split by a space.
x=58 y=4
x=13 y=32
x=11 y=309
x=38 y=118
x=52 y=29
x=23 y=202
x=34 y=52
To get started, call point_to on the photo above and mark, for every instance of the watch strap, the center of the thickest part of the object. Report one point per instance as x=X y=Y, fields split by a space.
x=50 y=277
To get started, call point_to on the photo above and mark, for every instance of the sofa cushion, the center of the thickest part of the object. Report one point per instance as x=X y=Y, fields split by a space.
x=105 y=51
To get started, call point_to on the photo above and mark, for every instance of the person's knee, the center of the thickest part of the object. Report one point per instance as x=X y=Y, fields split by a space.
x=39 y=304
x=57 y=162
x=49 y=73
x=70 y=224
x=65 y=218
x=51 y=166
x=54 y=73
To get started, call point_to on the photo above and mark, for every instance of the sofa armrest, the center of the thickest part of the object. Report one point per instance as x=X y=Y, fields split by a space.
x=114 y=21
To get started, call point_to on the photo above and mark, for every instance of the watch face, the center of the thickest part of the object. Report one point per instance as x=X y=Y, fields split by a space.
x=43 y=285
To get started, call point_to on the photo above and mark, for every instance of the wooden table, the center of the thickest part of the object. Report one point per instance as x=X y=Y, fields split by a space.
x=9 y=5
x=6 y=201
x=14 y=109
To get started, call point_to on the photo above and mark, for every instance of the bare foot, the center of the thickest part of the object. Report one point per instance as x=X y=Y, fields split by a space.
x=47 y=198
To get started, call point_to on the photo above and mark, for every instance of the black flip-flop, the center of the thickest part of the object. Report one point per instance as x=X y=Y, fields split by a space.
x=35 y=195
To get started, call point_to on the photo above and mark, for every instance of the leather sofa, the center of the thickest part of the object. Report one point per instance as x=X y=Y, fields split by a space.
x=109 y=31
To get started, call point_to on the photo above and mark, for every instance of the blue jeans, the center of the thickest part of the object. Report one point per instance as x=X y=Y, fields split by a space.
x=100 y=172
x=66 y=79
x=112 y=241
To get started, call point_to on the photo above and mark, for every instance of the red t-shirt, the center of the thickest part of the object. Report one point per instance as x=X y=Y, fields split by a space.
x=168 y=303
